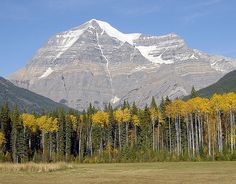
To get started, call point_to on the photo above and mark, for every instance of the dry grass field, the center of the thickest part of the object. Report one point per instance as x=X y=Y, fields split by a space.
x=131 y=173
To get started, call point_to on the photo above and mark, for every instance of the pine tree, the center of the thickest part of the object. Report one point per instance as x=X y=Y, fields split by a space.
x=153 y=103
x=167 y=100
x=134 y=109
x=193 y=93
x=18 y=138
x=15 y=124
x=146 y=130
x=6 y=127
x=89 y=129
x=61 y=137
x=111 y=131
x=71 y=125
x=162 y=105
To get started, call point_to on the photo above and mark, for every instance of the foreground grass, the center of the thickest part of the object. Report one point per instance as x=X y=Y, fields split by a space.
x=133 y=173
x=33 y=167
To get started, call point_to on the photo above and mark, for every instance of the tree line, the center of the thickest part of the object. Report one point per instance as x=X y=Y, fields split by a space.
x=196 y=129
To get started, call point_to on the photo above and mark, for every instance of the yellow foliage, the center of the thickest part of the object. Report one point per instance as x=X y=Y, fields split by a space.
x=135 y=120
x=177 y=107
x=217 y=103
x=29 y=121
x=2 y=138
x=48 y=124
x=155 y=114
x=73 y=120
x=81 y=118
x=198 y=105
x=118 y=115
x=100 y=118
x=122 y=115
x=229 y=101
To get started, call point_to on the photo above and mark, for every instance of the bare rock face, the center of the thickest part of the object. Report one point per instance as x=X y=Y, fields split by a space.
x=96 y=63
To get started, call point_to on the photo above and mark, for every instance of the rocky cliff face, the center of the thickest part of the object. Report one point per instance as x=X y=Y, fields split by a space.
x=96 y=63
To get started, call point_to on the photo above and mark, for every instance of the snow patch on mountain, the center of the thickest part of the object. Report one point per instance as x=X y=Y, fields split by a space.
x=147 y=67
x=111 y=31
x=193 y=57
x=147 y=52
x=217 y=67
x=115 y=99
x=139 y=68
x=48 y=72
x=67 y=39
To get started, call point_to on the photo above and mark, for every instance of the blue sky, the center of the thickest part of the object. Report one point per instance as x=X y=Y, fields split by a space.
x=26 y=25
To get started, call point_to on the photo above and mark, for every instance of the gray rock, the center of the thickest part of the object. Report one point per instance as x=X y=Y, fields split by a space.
x=96 y=63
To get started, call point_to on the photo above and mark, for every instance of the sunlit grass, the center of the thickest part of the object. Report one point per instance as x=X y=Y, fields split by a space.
x=34 y=167
x=120 y=173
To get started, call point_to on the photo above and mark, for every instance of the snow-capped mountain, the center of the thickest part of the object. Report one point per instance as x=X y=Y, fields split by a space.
x=97 y=63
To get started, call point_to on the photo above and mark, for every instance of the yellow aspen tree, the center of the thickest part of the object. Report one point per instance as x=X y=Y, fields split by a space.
x=118 y=115
x=155 y=116
x=80 y=129
x=122 y=116
x=169 y=114
x=230 y=108
x=47 y=125
x=100 y=119
x=176 y=108
x=217 y=105
x=126 y=120
x=204 y=108
x=29 y=122
x=136 y=123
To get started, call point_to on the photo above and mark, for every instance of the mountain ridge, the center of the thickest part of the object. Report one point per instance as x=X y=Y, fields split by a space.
x=225 y=84
x=97 y=63
x=25 y=99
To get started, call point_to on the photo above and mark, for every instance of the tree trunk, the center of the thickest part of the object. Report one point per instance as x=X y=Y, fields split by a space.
x=196 y=135
x=169 y=134
x=231 y=131
x=135 y=135
x=114 y=142
x=43 y=140
x=199 y=131
x=80 y=141
x=127 y=133
x=101 y=142
x=192 y=132
x=177 y=134
x=91 y=141
x=188 y=138
x=119 y=136
x=220 y=133
x=209 y=136
x=50 y=146
x=153 y=135
x=180 y=138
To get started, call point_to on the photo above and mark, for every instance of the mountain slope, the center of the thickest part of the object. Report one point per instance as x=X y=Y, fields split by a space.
x=97 y=63
x=24 y=99
x=224 y=85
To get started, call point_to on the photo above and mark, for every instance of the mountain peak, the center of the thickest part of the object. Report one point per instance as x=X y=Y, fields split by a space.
x=113 y=32
x=97 y=21
x=91 y=63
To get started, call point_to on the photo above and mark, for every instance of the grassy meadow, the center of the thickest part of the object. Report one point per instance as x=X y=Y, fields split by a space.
x=120 y=173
